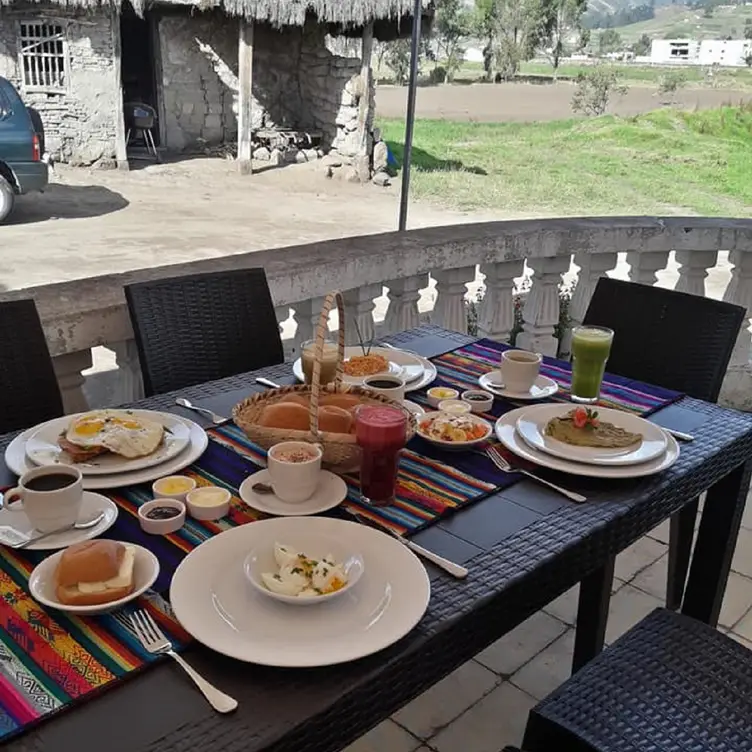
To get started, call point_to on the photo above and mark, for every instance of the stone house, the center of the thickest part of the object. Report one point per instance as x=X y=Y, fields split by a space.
x=215 y=71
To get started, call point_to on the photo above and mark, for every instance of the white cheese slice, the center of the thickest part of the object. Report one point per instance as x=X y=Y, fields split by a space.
x=123 y=578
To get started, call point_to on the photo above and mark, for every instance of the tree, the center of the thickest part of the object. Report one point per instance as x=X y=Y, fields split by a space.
x=561 y=19
x=748 y=60
x=397 y=57
x=669 y=83
x=594 y=90
x=453 y=23
x=609 y=41
x=748 y=29
x=642 y=45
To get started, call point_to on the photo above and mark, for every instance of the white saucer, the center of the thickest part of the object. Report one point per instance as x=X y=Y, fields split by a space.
x=417 y=410
x=331 y=492
x=93 y=505
x=542 y=387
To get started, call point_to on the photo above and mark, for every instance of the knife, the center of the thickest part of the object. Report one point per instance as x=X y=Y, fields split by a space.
x=448 y=566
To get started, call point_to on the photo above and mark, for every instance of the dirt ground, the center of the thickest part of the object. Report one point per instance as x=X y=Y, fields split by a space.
x=92 y=222
x=529 y=102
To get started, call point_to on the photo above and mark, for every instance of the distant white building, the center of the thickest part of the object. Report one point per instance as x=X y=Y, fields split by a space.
x=725 y=52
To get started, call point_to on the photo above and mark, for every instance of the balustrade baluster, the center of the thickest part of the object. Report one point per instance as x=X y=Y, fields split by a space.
x=496 y=315
x=540 y=316
x=359 y=305
x=693 y=269
x=643 y=265
x=130 y=379
x=404 y=295
x=451 y=288
x=739 y=291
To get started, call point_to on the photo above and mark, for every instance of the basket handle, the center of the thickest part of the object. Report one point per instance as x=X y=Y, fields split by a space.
x=321 y=331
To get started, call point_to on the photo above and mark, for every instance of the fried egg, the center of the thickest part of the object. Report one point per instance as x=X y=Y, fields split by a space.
x=119 y=431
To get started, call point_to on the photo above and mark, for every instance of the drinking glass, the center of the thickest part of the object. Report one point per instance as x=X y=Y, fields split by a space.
x=329 y=359
x=591 y=346
x=381 y=433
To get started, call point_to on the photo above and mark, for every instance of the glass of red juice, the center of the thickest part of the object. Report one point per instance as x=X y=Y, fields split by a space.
x=381 y=432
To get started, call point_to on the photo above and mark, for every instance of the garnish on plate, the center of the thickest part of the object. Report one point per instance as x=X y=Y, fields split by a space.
x=581 y=427
x=302 y=576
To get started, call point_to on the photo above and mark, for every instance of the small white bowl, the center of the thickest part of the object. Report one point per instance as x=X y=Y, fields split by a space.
x=159 y=491
x=478 y=405
x=440 y=393
x=43 y=582
x=459 y=445
x=455 y=407
x=261 y=559
x=208 y=503
x=161 y=527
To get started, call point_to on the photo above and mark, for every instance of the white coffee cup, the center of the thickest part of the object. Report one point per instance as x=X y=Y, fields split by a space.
x=294 y=481
x=378 y=383
x=48 y=508
x=519 y=370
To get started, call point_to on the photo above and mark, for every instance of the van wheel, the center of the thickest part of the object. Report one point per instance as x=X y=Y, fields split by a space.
x=7 y=198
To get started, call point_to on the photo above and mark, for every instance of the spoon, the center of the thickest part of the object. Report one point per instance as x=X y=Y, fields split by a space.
x=213 y=417
x=262 y=488
x=268 y=382
x=85 y=525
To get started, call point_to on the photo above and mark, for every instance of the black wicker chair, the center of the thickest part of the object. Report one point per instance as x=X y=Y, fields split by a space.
x=678 y=341
x=29 y=392
x=670 y=684
x=203 y=327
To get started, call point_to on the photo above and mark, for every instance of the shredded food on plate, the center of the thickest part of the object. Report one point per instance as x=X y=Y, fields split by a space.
x=452 y=428
x=365 y=365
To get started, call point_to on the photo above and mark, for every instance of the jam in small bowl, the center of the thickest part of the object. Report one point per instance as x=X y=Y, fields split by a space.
x=479 y=401
x=161 y=516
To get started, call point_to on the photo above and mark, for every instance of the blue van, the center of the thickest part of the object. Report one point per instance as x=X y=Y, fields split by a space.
x=23 y=166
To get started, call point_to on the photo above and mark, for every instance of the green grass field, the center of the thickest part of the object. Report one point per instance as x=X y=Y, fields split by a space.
x=664 y=162
x=680 y=22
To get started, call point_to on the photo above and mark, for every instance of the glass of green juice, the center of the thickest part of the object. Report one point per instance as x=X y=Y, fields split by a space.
x=591 y=346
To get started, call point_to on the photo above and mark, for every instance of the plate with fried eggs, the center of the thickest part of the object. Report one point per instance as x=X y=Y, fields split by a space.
x=104 y=442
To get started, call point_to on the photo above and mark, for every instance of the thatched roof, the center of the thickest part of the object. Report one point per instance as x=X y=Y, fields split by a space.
x=392 y=18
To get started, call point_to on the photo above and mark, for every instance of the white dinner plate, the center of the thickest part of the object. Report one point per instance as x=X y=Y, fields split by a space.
x=18 y=462
x=409 y=364
x=215 y=603
x=330 y=492
x=393 y=368
x=542 y=387
x=93 y=504
x=506 y=432
x=42 y=447
x=43 y=584
x=531 y=425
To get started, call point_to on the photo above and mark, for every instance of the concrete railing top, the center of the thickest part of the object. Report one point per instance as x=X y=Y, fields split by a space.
x=83 y=313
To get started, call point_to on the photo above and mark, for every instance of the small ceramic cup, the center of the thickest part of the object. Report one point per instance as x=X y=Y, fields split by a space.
x=519 y=369
x=479 y=401
x=208 y=503
x=455 y=407
x=438 y=394
x=50 y=496
x=295 y=470
x=161 y=526
x=390 y=386
x=173 y=487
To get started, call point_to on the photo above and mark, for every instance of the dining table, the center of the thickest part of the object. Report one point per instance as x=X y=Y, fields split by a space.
x=523 y=544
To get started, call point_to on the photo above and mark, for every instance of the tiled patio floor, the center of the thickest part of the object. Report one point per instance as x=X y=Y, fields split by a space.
x=483 y=705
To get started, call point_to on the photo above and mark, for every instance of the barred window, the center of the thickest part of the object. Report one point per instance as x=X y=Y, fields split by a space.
x=43 y=55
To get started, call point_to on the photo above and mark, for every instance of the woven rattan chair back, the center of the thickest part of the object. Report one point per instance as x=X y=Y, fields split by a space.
x=668 y=338
x=203 y=327
x=29 y=393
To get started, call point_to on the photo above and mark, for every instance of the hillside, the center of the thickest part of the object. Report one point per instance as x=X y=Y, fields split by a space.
x=674 y=22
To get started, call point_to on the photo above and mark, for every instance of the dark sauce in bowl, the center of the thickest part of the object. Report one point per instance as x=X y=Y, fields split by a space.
x=476 y=397
x=162 y=513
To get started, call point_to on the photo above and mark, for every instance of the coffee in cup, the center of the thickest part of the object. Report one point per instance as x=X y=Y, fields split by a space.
x=519 y=370
x=390 y=386
x=51 y=496
x=294 y=470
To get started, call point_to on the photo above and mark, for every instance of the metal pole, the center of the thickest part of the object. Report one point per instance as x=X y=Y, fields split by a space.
x=411 y=92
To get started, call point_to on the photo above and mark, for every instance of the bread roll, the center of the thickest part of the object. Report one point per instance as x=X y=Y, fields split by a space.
x=95 y=572
x=297 y=399
x=334 y=419
x=345 y=401
x=287 y=415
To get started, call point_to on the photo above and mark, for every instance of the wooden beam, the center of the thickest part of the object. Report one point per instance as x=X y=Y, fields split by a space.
x=363 y=164
x=245 y=96
x=121 y=151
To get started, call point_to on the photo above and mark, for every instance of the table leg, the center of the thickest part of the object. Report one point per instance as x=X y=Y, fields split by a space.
x=714 y=548
x=680 y=553
x=592 y=614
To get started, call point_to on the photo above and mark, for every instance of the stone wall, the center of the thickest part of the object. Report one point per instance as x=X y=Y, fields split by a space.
x=80 y=125
x=297 y=82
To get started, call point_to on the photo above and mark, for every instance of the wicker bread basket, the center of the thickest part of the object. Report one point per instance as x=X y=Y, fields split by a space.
x=341 y=452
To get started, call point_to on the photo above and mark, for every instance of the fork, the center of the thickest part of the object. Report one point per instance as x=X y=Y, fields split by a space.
x=504 y=465
x=154 y=640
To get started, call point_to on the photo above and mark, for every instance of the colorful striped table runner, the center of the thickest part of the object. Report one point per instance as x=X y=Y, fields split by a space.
x=50 y=661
